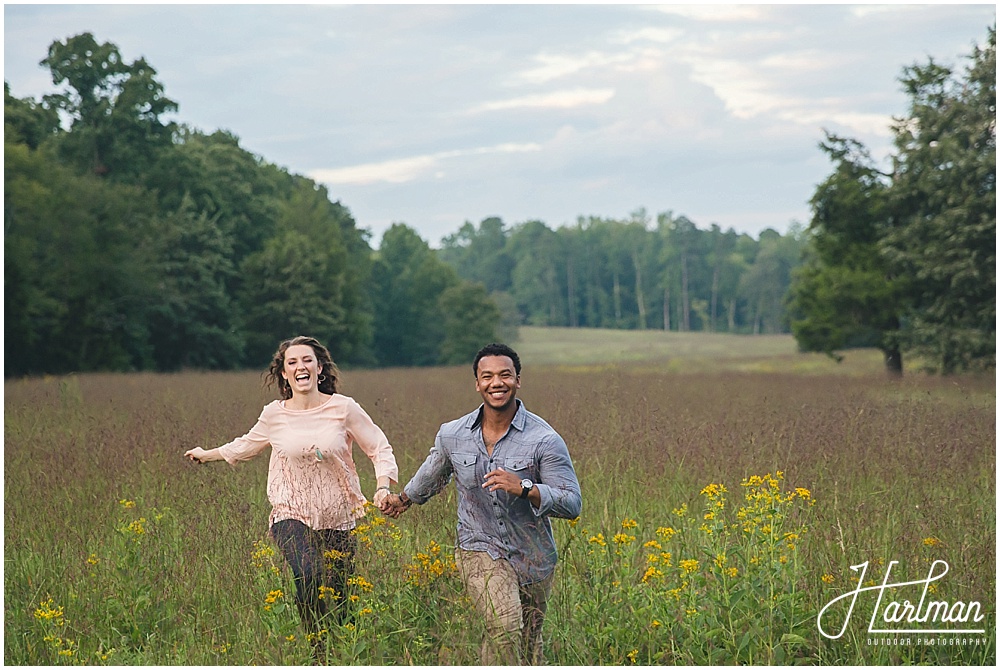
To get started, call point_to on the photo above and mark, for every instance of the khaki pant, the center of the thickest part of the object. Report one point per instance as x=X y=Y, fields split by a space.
x=513 y=613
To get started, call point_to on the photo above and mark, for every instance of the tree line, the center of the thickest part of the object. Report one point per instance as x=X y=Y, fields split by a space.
x=632 y=273
x=134 y=243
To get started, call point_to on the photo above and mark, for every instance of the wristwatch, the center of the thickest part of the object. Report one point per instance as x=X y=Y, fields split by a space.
x=526 y=486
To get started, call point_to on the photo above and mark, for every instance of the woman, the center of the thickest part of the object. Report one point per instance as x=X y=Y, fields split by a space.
x=312 y=482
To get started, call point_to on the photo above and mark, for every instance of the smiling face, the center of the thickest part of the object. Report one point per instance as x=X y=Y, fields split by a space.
x=497 y=382
x=301 y=369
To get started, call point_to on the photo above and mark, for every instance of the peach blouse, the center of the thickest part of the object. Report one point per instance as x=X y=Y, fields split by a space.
x=311 y=476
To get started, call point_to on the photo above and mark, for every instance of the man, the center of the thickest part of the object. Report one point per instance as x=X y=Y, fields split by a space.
x=513 y=472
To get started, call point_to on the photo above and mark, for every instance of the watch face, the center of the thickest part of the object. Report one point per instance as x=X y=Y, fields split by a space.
x=526 y=484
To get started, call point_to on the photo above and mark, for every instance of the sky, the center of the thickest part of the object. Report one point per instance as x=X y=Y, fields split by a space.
x=435 y=115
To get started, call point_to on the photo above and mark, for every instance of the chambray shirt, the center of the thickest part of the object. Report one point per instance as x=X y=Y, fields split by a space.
x=503 y=525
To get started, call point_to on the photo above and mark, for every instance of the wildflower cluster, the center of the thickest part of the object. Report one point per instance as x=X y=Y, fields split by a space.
x=49 y=611
x=765 y=515
x=262 y=557
x=272 y=599
x=53 y=619
x=720 y=569
x=136 y=528
x=598 y=540
x=376 y=533
x=427 y=566
x=361 y=583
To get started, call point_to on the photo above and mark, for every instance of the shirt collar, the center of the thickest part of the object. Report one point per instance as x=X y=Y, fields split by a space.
x=517 y=421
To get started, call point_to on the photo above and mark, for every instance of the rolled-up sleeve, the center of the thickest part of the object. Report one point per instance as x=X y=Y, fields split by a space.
x=558 y=486
x=432 y=476
x=370 y=438
x=246 y=447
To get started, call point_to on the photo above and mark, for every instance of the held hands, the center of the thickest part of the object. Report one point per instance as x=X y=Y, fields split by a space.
x=392 y=505
x=379 y=498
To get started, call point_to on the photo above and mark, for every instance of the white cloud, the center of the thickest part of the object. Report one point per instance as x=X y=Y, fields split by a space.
x=401 y=170
x=863 y=11
x=721 y=13
x=748 y=92
x=553 y=66
x=648 y=34
x=568 y=99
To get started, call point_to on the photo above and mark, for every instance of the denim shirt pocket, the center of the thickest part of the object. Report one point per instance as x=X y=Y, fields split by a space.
x=464 y=465
x=520 y=466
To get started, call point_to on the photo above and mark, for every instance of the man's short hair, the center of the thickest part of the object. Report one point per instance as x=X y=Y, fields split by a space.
x=497 y=349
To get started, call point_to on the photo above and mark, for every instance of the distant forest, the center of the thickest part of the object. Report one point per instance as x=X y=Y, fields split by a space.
x=134 y=243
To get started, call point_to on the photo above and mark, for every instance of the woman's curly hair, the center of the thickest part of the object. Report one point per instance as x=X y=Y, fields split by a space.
x=329 y=373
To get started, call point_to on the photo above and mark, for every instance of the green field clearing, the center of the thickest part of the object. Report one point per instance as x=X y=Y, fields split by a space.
x=684 y=352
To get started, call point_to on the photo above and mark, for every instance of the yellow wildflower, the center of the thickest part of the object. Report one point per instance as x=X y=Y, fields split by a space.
x=652 y=544
x=666 y=533
x=655 y=623
x=622 y=538
x=733 y=572
x=681 y=511
x=127 y=504
x=361 y=583
x=49 y=611
x=651 y=573
x=598 y=540
x=138 y=527
x=931 y=541
x=93 y=560
x=720 y=560
x=689 y=565
x=803 y=493
x=713 y=491
x=629 y=523
x=334 y=555
x=827 y=578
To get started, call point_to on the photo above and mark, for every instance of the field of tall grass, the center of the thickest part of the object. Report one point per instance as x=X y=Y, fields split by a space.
x=723 y=509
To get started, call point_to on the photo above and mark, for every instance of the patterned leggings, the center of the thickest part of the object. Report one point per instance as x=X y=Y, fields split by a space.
x=304 y=550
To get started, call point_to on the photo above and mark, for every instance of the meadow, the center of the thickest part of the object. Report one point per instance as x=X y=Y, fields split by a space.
x=728 y=489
